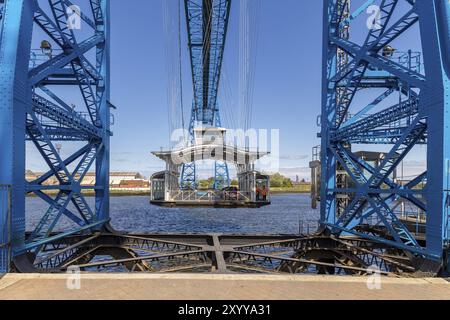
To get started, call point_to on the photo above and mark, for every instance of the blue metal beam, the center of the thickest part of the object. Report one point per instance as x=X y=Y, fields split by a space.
x=62 y=235
x=101 y=11
x=413 y=78
x=45 y=121
x=52 y=66
x=435 y=103
x=420 y=119
x=207 y=26
x=384 y=117
x=15 y=98
x=64 y=118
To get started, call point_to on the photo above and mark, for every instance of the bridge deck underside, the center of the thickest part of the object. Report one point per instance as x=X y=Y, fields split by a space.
x=211 y=203
x=218 y=253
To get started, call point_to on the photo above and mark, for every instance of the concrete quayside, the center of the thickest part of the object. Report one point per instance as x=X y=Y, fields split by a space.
x=125 y=286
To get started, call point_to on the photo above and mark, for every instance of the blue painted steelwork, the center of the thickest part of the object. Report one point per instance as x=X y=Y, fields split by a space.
x=5 y=224
x=30 y=110
x=207 y=25
x=2 y=5
x=4 y=199
x=367 y=205
x=42 y=117
x=189 y=170
x=15 y=97
x=221 y=172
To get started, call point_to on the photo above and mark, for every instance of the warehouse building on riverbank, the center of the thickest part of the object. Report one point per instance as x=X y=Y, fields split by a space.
x=117 y=180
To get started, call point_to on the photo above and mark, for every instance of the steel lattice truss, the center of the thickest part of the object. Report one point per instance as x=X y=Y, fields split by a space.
x=207 y=22
x=77 y=62
x=207 y=26
x=33 y=109
x=222 y=253
x=366 y=69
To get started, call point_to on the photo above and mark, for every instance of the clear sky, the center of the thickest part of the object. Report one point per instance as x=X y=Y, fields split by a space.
x=287 y=85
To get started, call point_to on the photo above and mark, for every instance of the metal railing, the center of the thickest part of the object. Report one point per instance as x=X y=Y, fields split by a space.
x=209 y=195
x=308 y=226
x=409 y=59
x=38 y=56
x=413 y=216
x=2 y=6
x=5 y=227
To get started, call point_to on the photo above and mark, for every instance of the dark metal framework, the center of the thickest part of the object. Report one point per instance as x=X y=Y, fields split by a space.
x=350 y=242
x=33 y=109
x=222 y=253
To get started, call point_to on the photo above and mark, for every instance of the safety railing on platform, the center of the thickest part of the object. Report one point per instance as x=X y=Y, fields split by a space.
x=5 y=227
x=210 y=195
x=412 y=216
x=39 y=56
x=80 y=115
x=43 y=120
x=409 y=59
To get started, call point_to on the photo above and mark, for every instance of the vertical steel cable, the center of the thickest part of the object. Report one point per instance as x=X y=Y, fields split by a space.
x=181 y=70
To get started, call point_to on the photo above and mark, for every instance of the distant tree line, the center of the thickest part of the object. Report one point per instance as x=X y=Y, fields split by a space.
x=277 y=180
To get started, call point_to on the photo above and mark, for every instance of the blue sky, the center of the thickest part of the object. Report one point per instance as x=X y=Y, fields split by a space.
x=287 y=85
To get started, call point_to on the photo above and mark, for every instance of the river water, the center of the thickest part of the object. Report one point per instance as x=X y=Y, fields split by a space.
x=135 y=214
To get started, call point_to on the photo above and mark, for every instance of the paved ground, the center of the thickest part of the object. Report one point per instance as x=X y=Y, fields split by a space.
x=208 y=286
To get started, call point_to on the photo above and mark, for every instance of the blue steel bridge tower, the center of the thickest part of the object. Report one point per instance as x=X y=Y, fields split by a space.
x=35 y=87
x=33 y=109
x=207 y=25
x=368 y=68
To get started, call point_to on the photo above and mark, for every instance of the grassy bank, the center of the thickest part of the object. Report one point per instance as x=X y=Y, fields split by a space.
x=304 y=188
x=146 y=193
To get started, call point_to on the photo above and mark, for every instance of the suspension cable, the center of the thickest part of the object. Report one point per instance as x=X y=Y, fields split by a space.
x=181 y=70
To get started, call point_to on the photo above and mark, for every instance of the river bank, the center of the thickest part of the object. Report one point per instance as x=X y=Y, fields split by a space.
x=135 y=214
x=295 y=189
x=138 y=192
x=113 y=193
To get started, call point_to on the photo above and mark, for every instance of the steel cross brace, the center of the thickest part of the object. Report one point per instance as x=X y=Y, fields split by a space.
x=359 y=66
x=364 y=195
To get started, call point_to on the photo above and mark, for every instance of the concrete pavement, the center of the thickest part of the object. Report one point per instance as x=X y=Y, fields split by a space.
x=217 y=287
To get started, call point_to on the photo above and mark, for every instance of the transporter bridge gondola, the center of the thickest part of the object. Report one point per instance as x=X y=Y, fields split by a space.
x=253 y=188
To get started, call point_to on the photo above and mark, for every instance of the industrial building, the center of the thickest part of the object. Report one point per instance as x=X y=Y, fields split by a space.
x=117 y=180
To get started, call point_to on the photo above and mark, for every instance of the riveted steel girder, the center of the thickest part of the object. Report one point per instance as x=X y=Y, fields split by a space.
x=418 y=119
